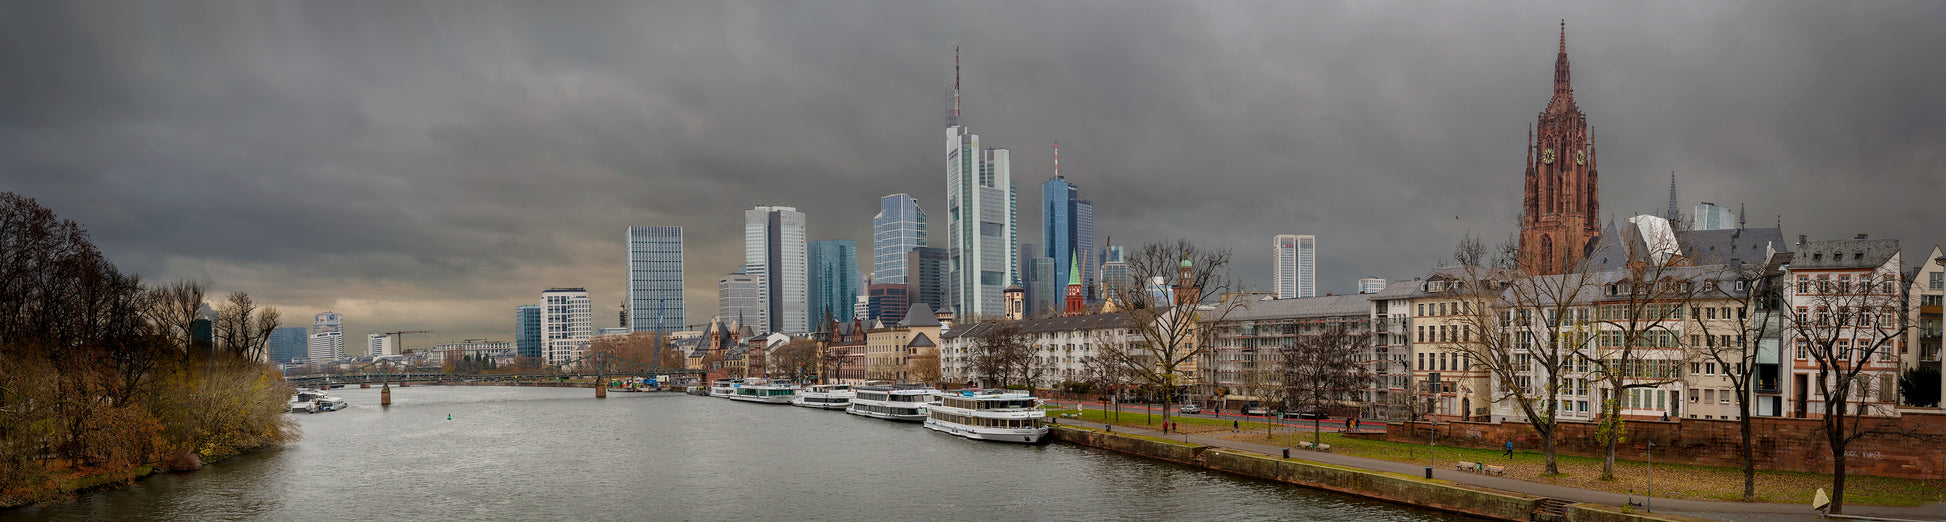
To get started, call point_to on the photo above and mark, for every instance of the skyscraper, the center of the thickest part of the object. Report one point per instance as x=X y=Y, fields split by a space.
x=1114 y=271
x=566 y=324
x=773 y=250
x=927 y=277
x=527 y=331
x=288 y=343
x=834 y=271
x=1043 y=295
x=888 y=303
x=899 y=227
x=1297 y=262
x=1059 y=227
x=980 y=209
x=327 y=337
x=655 y=279
x=738 y=297
x=1084 y=246
x=1712 y=217
x=1371 y=285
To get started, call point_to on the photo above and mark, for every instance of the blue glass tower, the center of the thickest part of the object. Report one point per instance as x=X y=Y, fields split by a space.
x=899 y=227
x=288 y=343
x=833 y=267
x=527 y=331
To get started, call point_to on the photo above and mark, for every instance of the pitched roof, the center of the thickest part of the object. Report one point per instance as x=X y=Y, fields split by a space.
x=1845 y=253
x=920 y=341
x=919 y=315
x=1327 y=306
x=1049 y=324
x=1733 y=245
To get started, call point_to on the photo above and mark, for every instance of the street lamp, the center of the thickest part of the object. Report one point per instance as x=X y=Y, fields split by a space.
x=1649 y=502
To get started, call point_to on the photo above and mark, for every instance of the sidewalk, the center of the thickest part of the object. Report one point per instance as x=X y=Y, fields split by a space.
x=1699 y=508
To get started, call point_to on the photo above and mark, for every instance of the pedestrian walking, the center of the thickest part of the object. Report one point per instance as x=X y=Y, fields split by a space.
x=1233 y=425
x=1510 y=449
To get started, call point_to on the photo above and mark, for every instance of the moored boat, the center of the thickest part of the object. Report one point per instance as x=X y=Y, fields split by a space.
x=825 y=396
x=899 y=402
x=724 y=387
x=766 y=392
x=995 y=416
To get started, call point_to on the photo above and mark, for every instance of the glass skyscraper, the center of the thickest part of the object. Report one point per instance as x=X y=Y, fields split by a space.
x=773 y=250
x=655 y=279
x=527 y=331
x=1711 y=217
x=899 y=227
x=834 y=273
x=1114 y=271
x=1297 y=266
x=288 y=343
x=981 y=235
x=1043 y=296
x=928 y=280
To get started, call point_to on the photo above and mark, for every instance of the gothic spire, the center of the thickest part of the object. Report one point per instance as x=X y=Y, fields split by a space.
x=1671 y=212
x=1563 y=89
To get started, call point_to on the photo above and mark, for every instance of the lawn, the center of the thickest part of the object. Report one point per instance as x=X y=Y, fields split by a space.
x=1631 y=476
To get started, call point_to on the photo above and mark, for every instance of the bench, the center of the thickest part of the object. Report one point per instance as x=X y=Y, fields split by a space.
x=1310 y=446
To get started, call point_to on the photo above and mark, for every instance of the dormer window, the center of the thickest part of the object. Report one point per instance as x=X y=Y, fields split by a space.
x=1817 y=256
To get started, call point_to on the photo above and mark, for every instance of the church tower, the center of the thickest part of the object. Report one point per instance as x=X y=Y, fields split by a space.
x=1557 y=220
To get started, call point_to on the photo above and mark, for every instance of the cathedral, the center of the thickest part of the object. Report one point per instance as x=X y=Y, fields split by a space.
x=1557 y=219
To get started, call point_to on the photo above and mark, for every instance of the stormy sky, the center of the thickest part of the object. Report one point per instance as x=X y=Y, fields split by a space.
x=430 y=165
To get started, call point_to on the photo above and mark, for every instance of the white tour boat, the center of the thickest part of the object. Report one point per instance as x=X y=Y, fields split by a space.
x=825 y=396
x=765 y=392
x=316 y=401
x=899 y=402
x=996 y=416
x=724 y=387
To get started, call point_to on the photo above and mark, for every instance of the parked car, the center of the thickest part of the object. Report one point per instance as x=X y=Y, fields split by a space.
x=1254 y=410
x=1189 y=409
x=1313 y=414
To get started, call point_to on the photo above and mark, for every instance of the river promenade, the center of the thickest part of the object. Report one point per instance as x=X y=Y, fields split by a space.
x=1705 y=509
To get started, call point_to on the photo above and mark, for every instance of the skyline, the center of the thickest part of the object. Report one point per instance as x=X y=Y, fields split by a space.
x=434 y=179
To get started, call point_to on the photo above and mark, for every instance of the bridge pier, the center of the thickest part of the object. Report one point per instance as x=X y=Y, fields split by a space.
x=364 y=385
x=601 y=389
x=385 y=395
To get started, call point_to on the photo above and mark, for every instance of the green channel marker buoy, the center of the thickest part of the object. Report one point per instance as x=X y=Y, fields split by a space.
x=449 y=416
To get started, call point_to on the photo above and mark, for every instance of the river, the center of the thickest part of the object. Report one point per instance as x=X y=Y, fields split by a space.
x=560 y=454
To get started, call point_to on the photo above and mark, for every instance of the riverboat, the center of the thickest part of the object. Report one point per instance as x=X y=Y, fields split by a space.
x=316 y=401
x=724 y=387
x=825 y=397
x=765 y=392
x=899 y=402
x=995 y=416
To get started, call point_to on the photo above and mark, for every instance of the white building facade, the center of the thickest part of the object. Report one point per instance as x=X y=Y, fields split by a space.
x=567 y=324
x=327 y=337
x=1296 y=266
x=379 y=345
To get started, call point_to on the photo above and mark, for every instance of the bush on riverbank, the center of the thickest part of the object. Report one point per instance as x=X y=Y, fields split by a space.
x=101 y=374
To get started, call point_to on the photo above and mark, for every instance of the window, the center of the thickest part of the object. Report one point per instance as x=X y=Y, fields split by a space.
x=1709 y=368
x=1803 y=346
x=1695 y=367
x=1723 y=397
x=1936 y=280
x=1803 y=284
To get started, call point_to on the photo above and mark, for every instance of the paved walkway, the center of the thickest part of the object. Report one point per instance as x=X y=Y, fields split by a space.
x=1700 y=508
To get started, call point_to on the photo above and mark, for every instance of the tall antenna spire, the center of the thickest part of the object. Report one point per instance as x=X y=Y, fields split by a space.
x=1057 y=159
x=1670 y=214
x=1741 y=217
x=955 y=84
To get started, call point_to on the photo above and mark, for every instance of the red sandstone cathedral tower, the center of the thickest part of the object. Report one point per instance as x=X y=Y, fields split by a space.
x=1557 y=221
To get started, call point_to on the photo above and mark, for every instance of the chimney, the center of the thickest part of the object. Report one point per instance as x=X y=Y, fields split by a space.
x=1800 y=240
x=1863 y=236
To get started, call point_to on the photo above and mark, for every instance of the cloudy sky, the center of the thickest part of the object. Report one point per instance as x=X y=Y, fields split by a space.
x=430 y=165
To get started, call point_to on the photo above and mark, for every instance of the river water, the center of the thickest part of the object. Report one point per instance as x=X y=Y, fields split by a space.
x=560 y=454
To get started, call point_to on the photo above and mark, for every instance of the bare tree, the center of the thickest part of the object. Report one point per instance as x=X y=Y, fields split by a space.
x=1849 y=328
x=1752 y=294
x=1524 y=329
x=1166 y=316
x=1639 y=345
x=172 y=309
x=241 y=330
x=1106 y=373
x=796 y=360
x=1324 y=370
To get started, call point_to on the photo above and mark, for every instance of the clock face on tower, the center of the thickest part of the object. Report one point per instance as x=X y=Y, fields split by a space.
x=1547 y=156
x=1580 y=157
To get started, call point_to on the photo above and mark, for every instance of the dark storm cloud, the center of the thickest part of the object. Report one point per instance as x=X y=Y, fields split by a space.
x=431 y=165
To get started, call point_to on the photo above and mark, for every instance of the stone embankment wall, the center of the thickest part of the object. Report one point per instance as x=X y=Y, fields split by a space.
x=1437 y=494
x=1781 y=444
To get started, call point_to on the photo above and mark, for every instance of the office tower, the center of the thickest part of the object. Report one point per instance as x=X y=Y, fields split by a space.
x=527 y=331
x=773 y=250
x=834 y=267
x=738 y=297
x=1296 y=266
x=1370 y=285
x=327 y=337
x=926 y=280
x=1043 y=296
x=899 y=227
x=980 y=209
x=379 y=345
x=1114 y=271
x=655 y=279
x=566 y=324
x=888 y=303
x=288 y=343
x=1084 y=246
x=1068 y=228
x=1712 y=217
